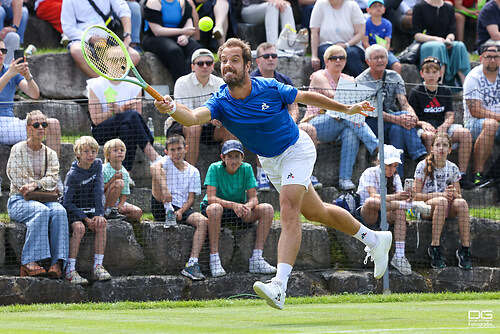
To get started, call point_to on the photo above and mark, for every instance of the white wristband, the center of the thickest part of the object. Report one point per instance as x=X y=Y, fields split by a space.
x=173 y=108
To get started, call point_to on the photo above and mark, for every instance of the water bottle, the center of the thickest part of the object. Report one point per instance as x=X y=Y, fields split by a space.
x=170 y=219
x=151 y=126
x=30 y=50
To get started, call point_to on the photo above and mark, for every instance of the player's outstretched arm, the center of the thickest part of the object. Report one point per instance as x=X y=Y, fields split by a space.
x=323 y=102
x=183 y=114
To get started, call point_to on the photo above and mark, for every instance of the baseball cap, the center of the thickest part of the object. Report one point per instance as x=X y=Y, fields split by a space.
x=201 y=52
x=232 y=145
x=371 y=2
x=391 y=155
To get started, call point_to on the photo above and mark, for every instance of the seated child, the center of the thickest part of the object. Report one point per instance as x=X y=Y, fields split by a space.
x=83 y=194
x=175 y=183
x=232 y=198
x=117 y=183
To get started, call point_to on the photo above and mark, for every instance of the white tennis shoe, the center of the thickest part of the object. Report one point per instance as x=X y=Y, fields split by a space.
x=272 y=292
x=380 y=253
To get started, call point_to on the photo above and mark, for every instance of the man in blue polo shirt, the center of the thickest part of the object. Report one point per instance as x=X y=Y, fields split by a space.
x=267 y=61
x=255 y=111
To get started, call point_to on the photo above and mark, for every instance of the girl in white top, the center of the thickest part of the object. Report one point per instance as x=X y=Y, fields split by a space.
x=437 y=183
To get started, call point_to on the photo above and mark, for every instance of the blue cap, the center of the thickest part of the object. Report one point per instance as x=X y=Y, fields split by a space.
x=232 y=145
x=371 y=2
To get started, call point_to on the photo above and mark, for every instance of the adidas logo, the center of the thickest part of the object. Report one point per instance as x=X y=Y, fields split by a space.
x=434 y=107
x=264 y=106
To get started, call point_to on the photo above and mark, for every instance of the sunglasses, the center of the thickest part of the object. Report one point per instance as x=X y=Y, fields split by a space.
x=432 y=60
x=207 y=62
x=267 y=55
x=492 y=57
x=336 y=58
x=44 y=125
x=4 y=51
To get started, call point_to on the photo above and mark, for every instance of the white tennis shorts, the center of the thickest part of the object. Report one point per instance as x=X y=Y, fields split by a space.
x=294 y=166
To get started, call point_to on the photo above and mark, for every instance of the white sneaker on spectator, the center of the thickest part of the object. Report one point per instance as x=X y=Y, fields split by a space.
x=272 y=292
x=216 y=269
x=260 y=266
x=346 y=184
x=401 y=264
x=421 y=207
x=73 y=277
x=380 y=253
x=315 y=183
x=100 y=274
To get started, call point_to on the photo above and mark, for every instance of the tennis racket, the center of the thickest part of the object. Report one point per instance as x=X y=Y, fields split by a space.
x=107 y=56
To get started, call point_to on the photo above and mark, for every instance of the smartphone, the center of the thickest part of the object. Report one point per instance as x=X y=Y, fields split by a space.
x=19 y=53
x=408 y=184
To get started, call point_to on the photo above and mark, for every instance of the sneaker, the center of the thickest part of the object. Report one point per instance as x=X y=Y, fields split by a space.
x=64 y=40
x=466 y=183
x=216 y=269
x=272 y=292
x=315 y=183
x=379 y=254
x=260 y=266
x=73 y=277
x=437 y=261
x=402 y=265
x=480 y=181
x=193 y=272
x=464 y=260
x=421 y=207
x=346 y=184
x=113 y=213
x=100 y=274
x=263 y=183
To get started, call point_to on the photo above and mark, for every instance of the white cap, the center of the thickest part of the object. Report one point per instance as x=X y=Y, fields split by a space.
x=391 y=155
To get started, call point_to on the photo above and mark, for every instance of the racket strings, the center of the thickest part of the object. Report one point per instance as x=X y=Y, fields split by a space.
x=106 y=55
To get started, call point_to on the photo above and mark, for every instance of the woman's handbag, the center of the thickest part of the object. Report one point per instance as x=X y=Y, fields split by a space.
x=411 y=54
x=292 y=42
x=43 y=196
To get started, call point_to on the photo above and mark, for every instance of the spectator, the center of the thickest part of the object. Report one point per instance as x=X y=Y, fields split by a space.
x=306 y=7
x=193 y=90
x=269 y=13
x=169 y=34
x=115 y=111
x=434 y=108
x=50 y=11
x=136 y=24
x=482 y=108
x=437 y=183
x=465 y=9
x=267 y=61
x=338 y=22
x=13 y=35
x=334 y=129
x=379 y=31
x=175 y=181
x=32 y=166
x=83 y=200
x=400 y=13
x=12 y=129
x=434 y=26
x=399 y=117
x=224 y=17
x=488 y=23
x=77 y=15
x=117 y=183
x=232 y=199
x=397 y=202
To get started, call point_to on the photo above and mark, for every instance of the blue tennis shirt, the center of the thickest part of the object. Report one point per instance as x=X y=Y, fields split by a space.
x=260 y=121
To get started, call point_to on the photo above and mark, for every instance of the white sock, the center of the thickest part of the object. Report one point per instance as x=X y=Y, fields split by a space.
x=405 y=205
x=366 y=236
x=192 y=261
x=214 y=258
x=283 y=273
x=257 y=253
x=400 y=248
x=70 y=265
x=98 y=258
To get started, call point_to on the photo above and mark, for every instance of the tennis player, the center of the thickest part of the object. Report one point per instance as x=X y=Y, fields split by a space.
x=255 y=111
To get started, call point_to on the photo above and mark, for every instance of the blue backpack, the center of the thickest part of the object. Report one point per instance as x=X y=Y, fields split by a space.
x=349 y=200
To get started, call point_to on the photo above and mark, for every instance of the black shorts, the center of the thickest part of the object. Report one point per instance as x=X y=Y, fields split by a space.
x=229 y=217
x=206 y=137
x=158 y=211
x=74 y=218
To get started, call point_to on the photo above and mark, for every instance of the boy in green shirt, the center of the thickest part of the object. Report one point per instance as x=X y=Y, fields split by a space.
x=232 y=198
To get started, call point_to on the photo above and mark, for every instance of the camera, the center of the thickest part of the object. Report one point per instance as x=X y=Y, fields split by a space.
x=19 y=53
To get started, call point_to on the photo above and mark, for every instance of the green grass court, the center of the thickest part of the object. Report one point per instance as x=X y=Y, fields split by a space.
x=396 y=313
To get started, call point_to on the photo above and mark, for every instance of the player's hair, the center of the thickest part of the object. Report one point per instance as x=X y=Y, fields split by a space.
x=175 y=139
x=111 y=144
x=32 y=114
x=333 y=49
x=85 y=141
x=372 y=48
x=430 y=164
x=264 y=46
x=246 y=51
x=431 y=63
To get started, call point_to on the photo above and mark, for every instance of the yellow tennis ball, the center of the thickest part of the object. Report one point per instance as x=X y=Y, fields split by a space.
x=205 y=23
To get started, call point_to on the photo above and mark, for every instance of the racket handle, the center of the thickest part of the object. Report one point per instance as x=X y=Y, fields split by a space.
x=151 y=91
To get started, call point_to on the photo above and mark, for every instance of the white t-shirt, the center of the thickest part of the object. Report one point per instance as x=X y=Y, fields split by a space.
x=478 y=87
x=443 y=177
x=108 y=91
x=191 y=93
x=371 y=178
x=336 y=25
x=181 y=183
